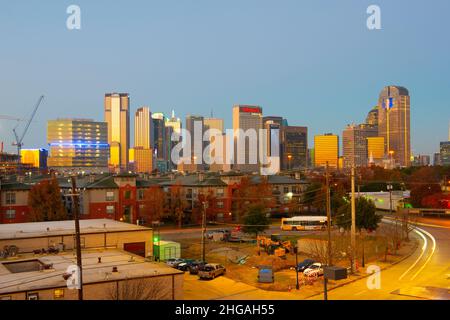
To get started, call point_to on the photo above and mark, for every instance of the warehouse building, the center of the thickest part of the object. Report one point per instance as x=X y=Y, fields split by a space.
x=95 y=234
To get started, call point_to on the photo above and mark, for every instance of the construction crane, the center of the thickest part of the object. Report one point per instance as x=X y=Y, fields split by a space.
x=19 y=140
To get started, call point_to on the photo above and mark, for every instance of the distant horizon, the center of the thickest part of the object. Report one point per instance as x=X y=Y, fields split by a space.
x=313 y=63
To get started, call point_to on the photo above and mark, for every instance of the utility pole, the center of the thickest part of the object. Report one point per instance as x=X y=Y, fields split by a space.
x=327 y=180
x=204 y=231
x=353 y=229
x=77 y=235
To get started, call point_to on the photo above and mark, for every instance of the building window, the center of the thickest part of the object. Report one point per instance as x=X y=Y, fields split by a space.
x=10 y=198
x=220 y=192
x=58 y=294
x=109 y=196
x=10 y=214
x=220 y=204
x=141 y=194
x=127 y=195
x=286 y=189
x=189 y=193
x=110 y=209
x=33 y=296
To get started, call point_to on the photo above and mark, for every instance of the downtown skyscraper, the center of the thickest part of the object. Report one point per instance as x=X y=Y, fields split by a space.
x=143 y=141
x=394 y=124
x=117 y=115
x=246 y=152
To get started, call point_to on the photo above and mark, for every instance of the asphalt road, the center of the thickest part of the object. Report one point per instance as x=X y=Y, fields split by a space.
x=424 y=275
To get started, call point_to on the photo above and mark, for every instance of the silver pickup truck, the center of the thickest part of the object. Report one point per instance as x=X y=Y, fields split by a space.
x=211 y=270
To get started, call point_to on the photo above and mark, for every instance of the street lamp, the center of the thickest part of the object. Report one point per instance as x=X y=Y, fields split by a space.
x=289 y=161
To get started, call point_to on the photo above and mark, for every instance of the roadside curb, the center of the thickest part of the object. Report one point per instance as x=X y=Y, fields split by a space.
x=368 y=275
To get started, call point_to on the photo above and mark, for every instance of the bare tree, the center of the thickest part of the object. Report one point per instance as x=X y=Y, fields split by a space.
x=139 y=289
x=408 y=223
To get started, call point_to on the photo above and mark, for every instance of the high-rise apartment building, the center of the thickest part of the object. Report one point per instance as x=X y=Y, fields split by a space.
x=246 y=145
x=77 y=143
x=394 y=123
x=117 y=116
x=326 y=149
x=355 y=144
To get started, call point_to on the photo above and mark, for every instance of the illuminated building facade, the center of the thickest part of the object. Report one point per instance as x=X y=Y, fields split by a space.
x=375 y=150
x=117 y=115
x=77 y=143
x=326 y=149
x=445 y=153
x=37 y=158
x=394 y=124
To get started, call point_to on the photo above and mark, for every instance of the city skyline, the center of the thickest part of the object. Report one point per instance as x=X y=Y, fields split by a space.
x=284 y=78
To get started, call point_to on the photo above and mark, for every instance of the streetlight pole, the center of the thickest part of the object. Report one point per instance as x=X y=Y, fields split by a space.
x=77 y=236
x=353 y=228
x=204 y=231
x=327 y=179
x=296 y=265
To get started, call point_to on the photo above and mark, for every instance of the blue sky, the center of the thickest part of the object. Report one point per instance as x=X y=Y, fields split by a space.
x=313 y=62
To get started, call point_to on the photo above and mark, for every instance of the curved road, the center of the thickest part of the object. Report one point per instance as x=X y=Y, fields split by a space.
x=424 y=275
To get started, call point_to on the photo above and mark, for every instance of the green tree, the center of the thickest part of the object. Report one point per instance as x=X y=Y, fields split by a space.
x=256 y=220
x=45 y=202
x=366 y=216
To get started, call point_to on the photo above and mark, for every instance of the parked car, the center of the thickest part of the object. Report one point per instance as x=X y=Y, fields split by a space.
x=211 y=270
x=173 y=262
x=302 y=266
x=195 y=267
x=184 y=266
x=314 y=270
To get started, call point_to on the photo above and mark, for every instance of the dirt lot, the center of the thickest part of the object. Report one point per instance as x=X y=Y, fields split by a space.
x=228 y=254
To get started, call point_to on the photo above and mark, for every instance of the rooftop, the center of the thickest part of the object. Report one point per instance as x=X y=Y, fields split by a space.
x=52 y=228
x=129 y=266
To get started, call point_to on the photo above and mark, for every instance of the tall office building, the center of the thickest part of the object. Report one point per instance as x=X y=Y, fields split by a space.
x=326 y=149
x=394 y=123
x=295 y=147
x=173 y=125
x=355 y=144
x=77 y=143
x=246 y=152
x=143 y=133
x=445 y=153
x=217 y=125
x=117 y=115
x=160 y=147
x=372 y=117
x=143 y=141
x=195 y=125
x=375 y=150
x=274 y=123
x=37 y=158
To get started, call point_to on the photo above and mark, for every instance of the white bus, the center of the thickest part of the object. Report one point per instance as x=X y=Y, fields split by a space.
x=304 y=223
